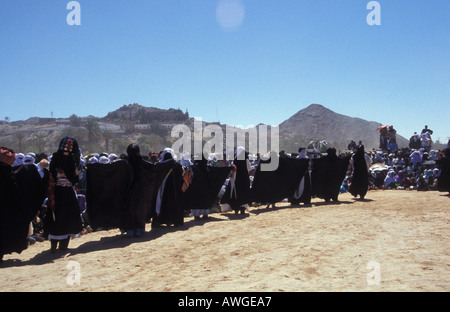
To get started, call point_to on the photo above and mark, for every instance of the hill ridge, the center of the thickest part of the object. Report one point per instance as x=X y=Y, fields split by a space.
x=317 y=122
x=314 y=122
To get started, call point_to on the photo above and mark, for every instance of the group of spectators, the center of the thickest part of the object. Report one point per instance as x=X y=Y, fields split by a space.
x=422 y=140
x=388 y=138
x=408 y=168
x=413 y=168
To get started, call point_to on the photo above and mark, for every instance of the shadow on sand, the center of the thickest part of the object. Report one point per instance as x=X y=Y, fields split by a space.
x=105 y=243
x=121 y=241
x=271 y=208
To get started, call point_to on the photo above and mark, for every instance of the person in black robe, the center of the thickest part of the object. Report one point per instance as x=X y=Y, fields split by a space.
x=168 y=208
x=360 y=178
x=327 y=175
x=303 y=192
x=237 y=192
x=63 y=218
x=270 y=187
x=107 y=189
x=204 y=188
x=22 y=193
x=443 y=162
x=136 y=212
x=122 y=194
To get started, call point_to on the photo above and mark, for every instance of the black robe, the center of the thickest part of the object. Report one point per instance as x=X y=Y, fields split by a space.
x=240 y=195
x=444 y=178
x=65 y=217
x=327 y=176
x=107 y=189
x=360 y=179
x=273 y=186
x=22 y=192
x=119 y=197
x=305 y=194
x=142 y=196
x=205 y=186
x=171 y=210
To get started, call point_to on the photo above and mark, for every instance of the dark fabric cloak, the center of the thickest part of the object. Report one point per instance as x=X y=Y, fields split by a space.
x=67 y=213
x=142 y=195
x=171 y=210
x=107 y=189
x=305 y=193
x=122 y=196
x=444 y=178
x=360 y=179
x=241 y=193
x=205 y=186
x=22 y=193
x=327 y=175
x=63 y=216
x=144 y=187
x=274 y=186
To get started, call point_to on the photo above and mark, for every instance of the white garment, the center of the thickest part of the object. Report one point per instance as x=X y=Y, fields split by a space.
x=299 y=191
x=368 y=161
x=303 y=155
x=159 y=197
x=390 y=178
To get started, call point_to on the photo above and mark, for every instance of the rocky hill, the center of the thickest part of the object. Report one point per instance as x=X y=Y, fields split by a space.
x=128 y=124
x=141 y=114
x=317 y=122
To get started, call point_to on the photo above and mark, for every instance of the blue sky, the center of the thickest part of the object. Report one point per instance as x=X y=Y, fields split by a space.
x=263 y=62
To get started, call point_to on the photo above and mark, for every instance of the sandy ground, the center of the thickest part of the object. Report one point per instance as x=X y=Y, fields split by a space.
x=392 y=241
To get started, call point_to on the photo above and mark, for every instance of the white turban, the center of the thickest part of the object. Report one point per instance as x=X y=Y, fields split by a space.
x=28 y=160
x=19 y=159
x=170 y=151
x=93 y=160
x=112 y=157
x=103 y=160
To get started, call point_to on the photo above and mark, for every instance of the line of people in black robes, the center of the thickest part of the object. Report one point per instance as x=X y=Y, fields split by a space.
x=131 y=192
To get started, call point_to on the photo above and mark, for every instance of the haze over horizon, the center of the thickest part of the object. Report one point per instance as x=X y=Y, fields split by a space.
x=240 y=62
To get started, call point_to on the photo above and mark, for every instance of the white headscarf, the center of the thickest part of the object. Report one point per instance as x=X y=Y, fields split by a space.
x=436 y=172
x=186 y=159
x=167 y=150
x=390 y=178
x=93 y=160
x=432 y=155
x=112 y=157
x=303 y=154
x=28 y=160
x=103 y=160
x=19 y=159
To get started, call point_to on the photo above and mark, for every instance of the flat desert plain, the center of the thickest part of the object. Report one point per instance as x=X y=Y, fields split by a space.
x=394 y=241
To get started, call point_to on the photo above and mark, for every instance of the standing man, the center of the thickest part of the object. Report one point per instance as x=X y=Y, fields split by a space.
x=426 y=130
x=361 y=163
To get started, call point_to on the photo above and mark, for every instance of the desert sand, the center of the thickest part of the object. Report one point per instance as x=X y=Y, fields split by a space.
x=392 y=241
